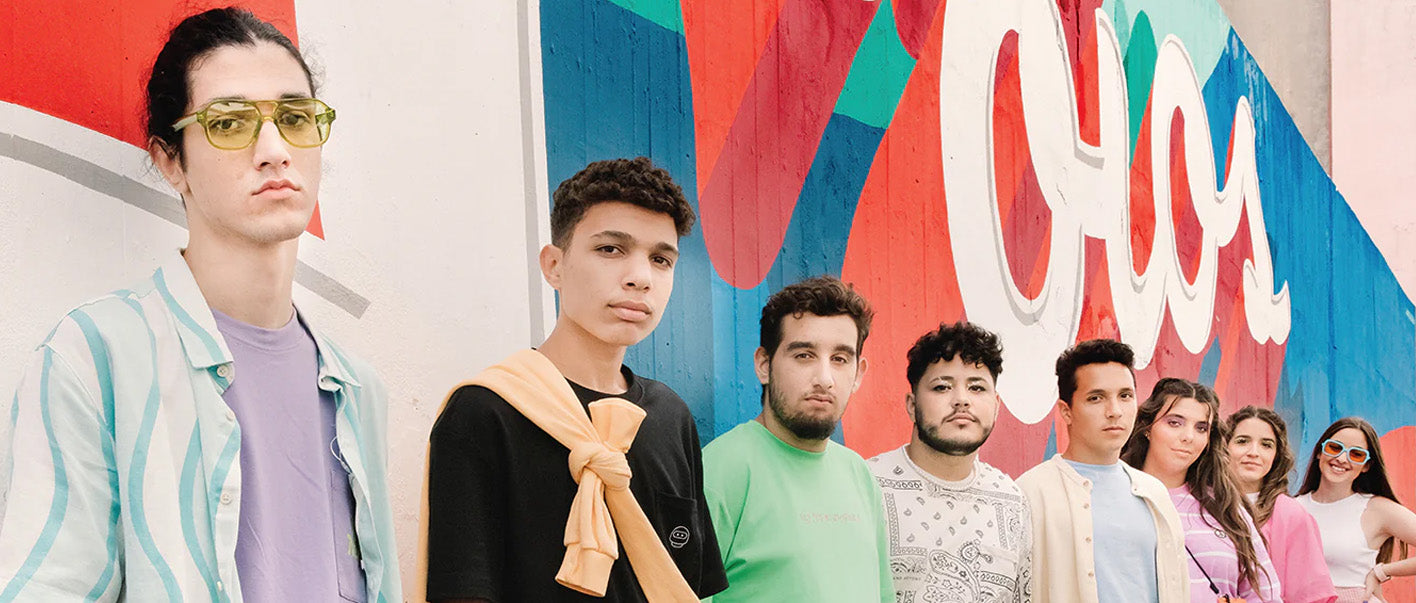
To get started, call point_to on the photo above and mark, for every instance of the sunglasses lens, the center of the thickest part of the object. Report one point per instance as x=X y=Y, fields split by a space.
x=304 y=122
x=232 y=125
x=1357 y=455
x=1332 y=448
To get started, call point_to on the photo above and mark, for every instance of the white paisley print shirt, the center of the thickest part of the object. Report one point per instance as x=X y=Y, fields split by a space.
x=955 y=542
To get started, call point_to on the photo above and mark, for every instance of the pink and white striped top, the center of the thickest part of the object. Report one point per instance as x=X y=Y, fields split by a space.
x=1211 y=547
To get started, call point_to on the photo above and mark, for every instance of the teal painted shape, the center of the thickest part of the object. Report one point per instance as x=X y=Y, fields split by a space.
x=1140 y=72
x=665 y=13
x=878 y=74
x=1201 y=25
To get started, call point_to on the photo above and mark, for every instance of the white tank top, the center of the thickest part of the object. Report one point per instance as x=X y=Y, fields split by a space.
x=1344 y=545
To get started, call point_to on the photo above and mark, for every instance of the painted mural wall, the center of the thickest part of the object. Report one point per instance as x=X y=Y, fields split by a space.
x=1055 y=170
x=1049 y=170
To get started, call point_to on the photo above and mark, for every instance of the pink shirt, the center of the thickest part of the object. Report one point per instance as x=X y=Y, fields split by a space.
x=1297 y=553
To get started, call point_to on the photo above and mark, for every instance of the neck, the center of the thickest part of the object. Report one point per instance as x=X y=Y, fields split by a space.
x=1250 y=487
x=947 y=467
x=1078 y=452
x=1330 y=492
x=1171 y=478
x=787 y=436
x=250 y=283
x=584 y=359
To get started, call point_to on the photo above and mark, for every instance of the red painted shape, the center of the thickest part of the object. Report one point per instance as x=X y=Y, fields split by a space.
x=1188 y=233
x=1399 y=453
x=899 y=250
x=912 y=19
x=1142 y=201
x=316 y=226
x=1024 y=215
x=1015 y=446
x=725 y=42
x=753 y=188
x=88 y=63
x=1079 y=28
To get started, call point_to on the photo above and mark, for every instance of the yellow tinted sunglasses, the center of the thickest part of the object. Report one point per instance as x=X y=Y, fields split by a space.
x=234 y=124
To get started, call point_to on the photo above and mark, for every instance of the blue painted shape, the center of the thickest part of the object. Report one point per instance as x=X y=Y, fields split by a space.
x=1209 y=366
x=617 y=85
x=1051 y=443
x=1351 y=347
x=815 y=243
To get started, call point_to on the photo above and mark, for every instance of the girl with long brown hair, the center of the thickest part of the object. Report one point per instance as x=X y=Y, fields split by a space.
x=1177 y=440
x=1363 y=525
x=1260 y=459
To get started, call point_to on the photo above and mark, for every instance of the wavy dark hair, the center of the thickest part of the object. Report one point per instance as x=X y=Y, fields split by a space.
x=969 y=342
x=1208 y=477
x=1373 y=480
x=1275 y=482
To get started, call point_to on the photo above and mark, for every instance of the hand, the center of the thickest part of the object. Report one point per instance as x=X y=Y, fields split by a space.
x=1373 y=592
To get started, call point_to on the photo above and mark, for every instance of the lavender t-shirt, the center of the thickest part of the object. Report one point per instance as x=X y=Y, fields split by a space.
x=296 y=538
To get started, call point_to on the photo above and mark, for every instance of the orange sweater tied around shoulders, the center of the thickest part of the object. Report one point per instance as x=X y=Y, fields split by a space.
x=603 y=503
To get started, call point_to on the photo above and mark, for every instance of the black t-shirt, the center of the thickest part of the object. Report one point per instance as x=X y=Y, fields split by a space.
x=499 y=494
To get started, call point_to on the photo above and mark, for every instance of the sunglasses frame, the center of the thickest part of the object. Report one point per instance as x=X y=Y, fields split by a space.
x=200 y=117
x=1346 y=451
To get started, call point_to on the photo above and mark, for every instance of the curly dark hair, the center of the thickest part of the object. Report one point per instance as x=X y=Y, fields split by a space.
x=971 y=343
x=1092 y=351
x=819 y=295
x=635 y=181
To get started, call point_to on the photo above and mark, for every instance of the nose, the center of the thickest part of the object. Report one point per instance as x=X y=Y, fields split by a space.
x=271 y=149
x=638 y=274
x=823 y=377
x=1113 y=408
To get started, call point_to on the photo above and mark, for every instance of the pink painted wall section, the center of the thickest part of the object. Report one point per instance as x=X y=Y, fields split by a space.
x=1374 y=123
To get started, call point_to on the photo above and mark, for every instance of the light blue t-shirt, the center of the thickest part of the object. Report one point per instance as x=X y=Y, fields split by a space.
x=1123 y=536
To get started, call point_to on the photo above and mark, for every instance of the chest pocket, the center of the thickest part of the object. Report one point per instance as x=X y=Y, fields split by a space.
x=676 y=521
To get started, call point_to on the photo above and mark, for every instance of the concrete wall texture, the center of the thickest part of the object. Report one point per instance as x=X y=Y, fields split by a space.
x=1055 y=171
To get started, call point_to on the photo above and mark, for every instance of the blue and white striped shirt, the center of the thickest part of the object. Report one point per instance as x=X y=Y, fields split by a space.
x=124 y=477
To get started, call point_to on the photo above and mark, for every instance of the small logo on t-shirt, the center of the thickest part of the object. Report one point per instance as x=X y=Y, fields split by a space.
x=678 y=537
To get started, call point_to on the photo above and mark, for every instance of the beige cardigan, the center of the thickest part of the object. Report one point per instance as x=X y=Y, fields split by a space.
x=1063 y=561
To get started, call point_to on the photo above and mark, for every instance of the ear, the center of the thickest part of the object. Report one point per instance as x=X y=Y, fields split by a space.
x=762 y=363
x=550 y=260
x=910 y=408
x=1065 y=410
x=997 y=405
x=860 y=374
x=170 y=165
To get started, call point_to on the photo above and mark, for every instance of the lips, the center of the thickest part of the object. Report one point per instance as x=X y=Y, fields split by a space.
x=631 y=311
x=277 y=185
x=966 y=417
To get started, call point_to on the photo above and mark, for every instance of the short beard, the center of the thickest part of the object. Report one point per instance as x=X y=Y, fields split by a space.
x=801 y=426
x=952 y=447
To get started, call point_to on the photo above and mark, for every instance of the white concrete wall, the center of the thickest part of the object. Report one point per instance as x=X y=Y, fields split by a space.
x=1374 y=123
x=424 y=205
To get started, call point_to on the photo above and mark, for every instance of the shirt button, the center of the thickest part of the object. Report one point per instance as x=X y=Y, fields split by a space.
x=1091 y=574
x=220 y=586
x=230 y=415
x=1089 y=538
x=224 y=371
x=225 y=498
x=1086 y=505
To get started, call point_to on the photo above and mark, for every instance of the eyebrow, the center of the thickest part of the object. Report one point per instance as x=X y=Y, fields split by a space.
x=242 y=97
x=807 y=345
x=624 y=237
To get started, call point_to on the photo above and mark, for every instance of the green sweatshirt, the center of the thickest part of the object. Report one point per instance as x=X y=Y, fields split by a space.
x=795 y=526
